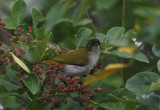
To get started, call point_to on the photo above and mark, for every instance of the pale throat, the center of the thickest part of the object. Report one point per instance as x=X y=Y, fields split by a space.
x=74 y=70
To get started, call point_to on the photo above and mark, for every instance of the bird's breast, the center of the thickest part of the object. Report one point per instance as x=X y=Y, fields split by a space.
x=76 y=70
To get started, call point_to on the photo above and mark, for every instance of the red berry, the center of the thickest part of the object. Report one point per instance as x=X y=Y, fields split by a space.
x=0 y=19
x=10 y=56
x=56 y=68
x=30 y=31
x=4 y=71
x=50 y=66
x=23 y=52
x=37 y=67
x=57 y=64
x=95 y=89
x=34 y=69
x=29 y=28
x=22 y=30
x=60 y=67
x=14 y=51
x=99 y=89
x=6 y=62
x=19 y=29
x=3 y=24
x=1 y=43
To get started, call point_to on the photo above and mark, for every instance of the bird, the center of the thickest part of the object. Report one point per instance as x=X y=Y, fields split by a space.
x=76 y=62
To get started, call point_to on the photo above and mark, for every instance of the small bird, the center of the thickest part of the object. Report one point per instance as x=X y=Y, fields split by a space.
x=76 y=62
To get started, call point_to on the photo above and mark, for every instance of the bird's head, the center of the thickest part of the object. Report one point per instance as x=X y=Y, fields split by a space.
x=93 y=44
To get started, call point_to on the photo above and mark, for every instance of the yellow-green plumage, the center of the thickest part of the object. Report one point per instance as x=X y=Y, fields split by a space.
x=75 y=57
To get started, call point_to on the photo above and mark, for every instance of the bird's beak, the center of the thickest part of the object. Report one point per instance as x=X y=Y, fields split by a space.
x=97 y=44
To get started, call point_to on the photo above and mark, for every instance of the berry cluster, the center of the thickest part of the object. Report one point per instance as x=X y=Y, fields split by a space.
x=21 y=37
x=55 y=88
x=63 y=87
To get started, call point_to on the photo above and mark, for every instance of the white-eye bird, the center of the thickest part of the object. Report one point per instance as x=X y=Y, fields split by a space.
x=76 y=62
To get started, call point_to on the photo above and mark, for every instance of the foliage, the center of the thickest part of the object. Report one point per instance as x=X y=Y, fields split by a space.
x=70 y=24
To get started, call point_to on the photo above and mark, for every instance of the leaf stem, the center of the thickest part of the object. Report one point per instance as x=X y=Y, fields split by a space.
x=123 y=12
x=123 y=25
x=56 y=94
x=19 y=96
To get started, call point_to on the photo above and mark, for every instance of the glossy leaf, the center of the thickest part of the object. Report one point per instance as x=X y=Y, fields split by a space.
x=125 y=101
x=3 y=92
x=55 y=13
x=83 y=35
x=138 y=55
x=112 y=106
x=36 y=17
x=141 y=82
x=41 y=48
x=81 y=10
x=35 y=105
x=158 y=65
x=20 y=63
x=105 y=4
x=156 y=50
x=10 y=102
x=109 y=69
x=155 y=86
x=19 y=10
x=121 y=93
x=114 y=34
x=8 y=85
x=18 y=13
x=11 y=23
x=32 y=82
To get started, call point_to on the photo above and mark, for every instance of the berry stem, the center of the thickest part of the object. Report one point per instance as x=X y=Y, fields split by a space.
x=56 y=94
x=6 y=32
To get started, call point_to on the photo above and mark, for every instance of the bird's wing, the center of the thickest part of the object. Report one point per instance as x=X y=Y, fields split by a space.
x=75 y=57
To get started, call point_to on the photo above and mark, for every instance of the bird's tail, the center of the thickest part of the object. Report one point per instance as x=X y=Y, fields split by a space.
x=35 y=63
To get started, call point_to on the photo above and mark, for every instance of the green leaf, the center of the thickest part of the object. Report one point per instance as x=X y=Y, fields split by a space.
x=155 y=86
x=158 y=65
x=131 y=33
x=18 y=13
x=114 y=34
x=138 y=55
x=20 y=63
x=35 y=105
x=19 y=10
x=130 y=107
x=101 y=37
x=82 y=37
x=156 y=50
x=36 y=16
x=55 y=13
x=141 y=82
x=11 y=23
x=9 y=86
x=112 y=106
x=134 y=102
x=3 y=92
x=32 y=82
x=81 y=10
x=105 y=4
x=41 y=48
x=10 y=102
x=143 y=107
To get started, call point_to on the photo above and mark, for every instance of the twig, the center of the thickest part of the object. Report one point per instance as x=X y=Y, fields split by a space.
x=6 y=32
